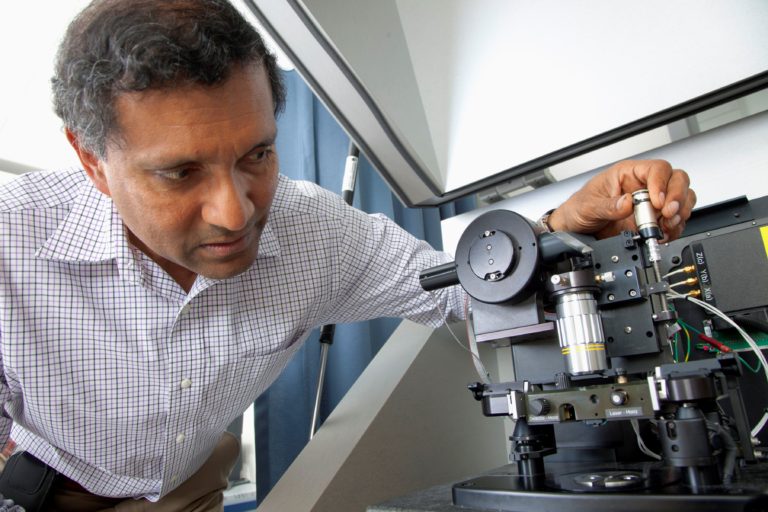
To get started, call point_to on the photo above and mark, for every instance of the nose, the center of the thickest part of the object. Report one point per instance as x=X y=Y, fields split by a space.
x=228 y=205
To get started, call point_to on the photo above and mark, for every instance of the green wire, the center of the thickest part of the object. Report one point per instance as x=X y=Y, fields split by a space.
x=753 y=370
x=686 y=326
x=674 y=354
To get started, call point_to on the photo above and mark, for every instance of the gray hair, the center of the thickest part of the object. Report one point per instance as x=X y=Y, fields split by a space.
x=118 y=46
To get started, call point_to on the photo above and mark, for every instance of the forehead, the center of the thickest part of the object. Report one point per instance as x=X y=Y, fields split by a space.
x=194 y=114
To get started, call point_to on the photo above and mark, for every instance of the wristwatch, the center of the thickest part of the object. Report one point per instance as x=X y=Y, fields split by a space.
x=543 y=221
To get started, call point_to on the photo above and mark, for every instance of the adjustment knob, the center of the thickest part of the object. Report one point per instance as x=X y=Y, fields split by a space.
x=539 y=407
x=619 y=397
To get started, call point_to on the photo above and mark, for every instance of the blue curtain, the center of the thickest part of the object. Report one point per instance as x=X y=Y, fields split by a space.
x=312 y=146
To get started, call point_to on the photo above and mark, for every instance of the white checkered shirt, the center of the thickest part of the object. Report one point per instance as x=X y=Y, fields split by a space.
x=120 y=380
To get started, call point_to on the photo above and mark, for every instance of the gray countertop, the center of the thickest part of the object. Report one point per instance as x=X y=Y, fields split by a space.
x=753 y=482
x=434 y=499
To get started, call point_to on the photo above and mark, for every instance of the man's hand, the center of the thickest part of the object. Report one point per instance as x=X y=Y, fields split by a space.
x=603 y=206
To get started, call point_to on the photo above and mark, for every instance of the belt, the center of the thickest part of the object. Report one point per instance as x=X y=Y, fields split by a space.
x=62 y=482
x=67 y=483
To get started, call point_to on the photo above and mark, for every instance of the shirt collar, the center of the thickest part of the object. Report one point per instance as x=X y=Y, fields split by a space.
x=87 y=233
x=269 y=247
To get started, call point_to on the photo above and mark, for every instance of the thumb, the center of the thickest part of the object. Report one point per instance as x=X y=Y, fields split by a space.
x=612 y=208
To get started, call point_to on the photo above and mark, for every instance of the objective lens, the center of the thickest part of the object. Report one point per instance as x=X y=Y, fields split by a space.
x=582 y=341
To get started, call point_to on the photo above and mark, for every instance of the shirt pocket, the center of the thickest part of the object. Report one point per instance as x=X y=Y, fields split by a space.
x=240 y=382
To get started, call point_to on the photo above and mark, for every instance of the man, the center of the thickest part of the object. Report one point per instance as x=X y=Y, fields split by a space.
x=147 y=301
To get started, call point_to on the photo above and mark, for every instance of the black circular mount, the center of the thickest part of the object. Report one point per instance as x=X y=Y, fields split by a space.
x=497 y=257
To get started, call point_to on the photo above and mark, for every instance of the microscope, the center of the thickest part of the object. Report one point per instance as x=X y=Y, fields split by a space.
x=629 y=360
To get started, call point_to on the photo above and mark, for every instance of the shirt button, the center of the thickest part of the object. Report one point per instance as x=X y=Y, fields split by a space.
x=185 y=383
x=180 y=438
x=185 y=309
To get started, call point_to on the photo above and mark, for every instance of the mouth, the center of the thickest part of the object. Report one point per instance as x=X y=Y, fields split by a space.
x=225 y=248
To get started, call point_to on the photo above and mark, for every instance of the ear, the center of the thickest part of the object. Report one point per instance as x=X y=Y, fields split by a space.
x=93 y=165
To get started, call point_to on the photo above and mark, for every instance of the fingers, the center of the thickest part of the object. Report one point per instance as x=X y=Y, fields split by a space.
x=673 y=226
x=656 y=175
x=690 y=203
x=621 y=208
x=604 y=205
x=588 y=211
x=676 y=205
x=668 y=187
x=669 y=190
x=676 y=193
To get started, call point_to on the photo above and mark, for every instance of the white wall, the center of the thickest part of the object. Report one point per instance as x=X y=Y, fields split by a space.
x=30 y=133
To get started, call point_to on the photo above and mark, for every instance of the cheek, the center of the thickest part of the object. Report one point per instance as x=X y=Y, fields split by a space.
x=178 y=225
x=161 y=220
x=263 y=191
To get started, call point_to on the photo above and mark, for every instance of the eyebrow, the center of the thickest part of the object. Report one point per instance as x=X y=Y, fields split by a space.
x=184 y=162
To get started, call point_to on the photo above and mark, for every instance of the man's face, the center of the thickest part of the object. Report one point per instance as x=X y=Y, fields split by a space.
x=195 y=174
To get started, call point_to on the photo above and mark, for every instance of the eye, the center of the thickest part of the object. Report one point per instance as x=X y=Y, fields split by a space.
x=174 y=174
x=261 y=154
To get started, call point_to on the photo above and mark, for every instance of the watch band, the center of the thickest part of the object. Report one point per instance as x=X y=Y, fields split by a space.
x=543 y=221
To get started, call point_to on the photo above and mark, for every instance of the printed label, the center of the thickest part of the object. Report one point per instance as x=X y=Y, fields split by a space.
x=549 y=418
x=626 y=412
x=705 y=280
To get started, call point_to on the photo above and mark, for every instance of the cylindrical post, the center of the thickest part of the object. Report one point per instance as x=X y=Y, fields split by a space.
x=326 y=340
x=326 y=334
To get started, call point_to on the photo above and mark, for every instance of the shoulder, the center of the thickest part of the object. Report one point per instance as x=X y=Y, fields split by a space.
x=41 y=190
x=305 y=198
x=305 y=213
x=315 y=204
x=33 y=206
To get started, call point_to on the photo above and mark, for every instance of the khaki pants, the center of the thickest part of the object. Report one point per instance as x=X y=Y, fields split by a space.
x=203 y=492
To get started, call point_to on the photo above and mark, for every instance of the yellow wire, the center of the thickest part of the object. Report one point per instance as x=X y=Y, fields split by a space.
x=688 y=337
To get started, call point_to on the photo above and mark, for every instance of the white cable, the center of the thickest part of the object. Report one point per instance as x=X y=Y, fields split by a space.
x=479 y=367
x=755 y=348
x=640 y=443
x=674 y=272
x=760 y=424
